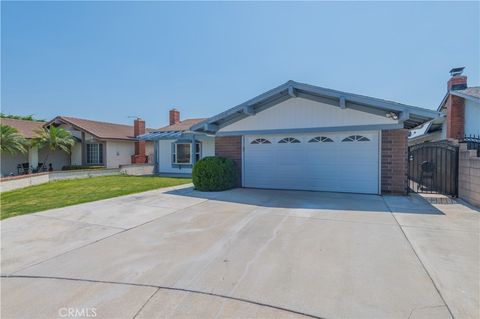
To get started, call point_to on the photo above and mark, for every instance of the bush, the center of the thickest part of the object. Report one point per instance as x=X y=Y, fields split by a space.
x=214 y=174
x=75 y=167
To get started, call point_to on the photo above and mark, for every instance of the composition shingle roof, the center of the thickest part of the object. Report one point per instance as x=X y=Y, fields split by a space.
x=102 y=130
x=27 y=128
x=181 y=126
x=472 y=91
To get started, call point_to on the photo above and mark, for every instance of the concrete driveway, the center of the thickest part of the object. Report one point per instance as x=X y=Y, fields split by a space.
x=244 y=253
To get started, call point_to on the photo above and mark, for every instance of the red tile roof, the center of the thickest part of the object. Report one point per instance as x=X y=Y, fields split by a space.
x=27 y=128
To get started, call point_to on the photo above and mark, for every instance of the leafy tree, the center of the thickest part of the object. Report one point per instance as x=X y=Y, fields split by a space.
x=20 y=117
x=11 y=141
x=54 y=138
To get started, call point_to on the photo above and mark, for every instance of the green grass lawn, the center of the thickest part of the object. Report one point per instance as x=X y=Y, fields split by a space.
x=70 y=192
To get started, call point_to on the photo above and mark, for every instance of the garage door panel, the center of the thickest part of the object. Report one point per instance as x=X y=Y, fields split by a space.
x=324 y=166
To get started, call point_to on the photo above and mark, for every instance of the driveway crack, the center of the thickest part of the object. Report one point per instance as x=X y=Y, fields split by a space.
x=121 y=230
x=420 y=261
x=159 y=287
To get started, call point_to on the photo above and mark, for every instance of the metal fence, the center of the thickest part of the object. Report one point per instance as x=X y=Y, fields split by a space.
x=473 y=142
x=433 y=168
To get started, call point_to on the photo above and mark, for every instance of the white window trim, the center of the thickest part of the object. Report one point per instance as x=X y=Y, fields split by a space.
x=175 y=152
x=193 y=153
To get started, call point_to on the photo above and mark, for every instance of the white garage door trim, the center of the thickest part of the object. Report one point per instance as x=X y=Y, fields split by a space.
x=308 y=180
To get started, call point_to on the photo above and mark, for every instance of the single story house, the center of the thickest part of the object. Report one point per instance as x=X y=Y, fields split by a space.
x=302 y=137
x=105 y=144
x=10 y=163
x=97 y=143
x=460 y=108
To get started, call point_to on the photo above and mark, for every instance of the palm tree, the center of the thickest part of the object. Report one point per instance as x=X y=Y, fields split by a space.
x=54 y=138
x=11 y=141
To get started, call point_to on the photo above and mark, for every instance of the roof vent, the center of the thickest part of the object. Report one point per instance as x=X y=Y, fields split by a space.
x=457 y=71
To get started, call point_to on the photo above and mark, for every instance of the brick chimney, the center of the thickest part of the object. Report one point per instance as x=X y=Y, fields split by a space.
x=139 y=129
x=174 y=116
x=456 y=105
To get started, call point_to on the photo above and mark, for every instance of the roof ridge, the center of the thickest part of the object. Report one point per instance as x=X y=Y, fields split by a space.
x=102 y=122
x=27 y=121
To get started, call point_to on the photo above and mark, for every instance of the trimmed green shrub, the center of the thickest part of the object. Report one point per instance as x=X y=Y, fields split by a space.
x=214 y=173
x=75 y=167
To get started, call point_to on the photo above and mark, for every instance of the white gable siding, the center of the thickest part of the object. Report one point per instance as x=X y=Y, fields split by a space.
x=303 y=113
x=472 y=118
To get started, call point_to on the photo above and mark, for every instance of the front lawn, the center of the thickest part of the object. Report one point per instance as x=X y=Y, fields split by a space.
x=75 y=191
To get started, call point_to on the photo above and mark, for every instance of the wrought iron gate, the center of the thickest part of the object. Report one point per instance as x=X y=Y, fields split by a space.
x=433 y=168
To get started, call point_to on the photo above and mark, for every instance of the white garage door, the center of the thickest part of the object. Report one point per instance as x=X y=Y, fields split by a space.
x=336 y=162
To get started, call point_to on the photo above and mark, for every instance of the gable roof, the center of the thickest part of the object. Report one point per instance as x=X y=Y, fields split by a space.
x=471 y=93
x=173 y=131
x=101 y=130
x=181 y=126
x=411 y=115
x=27 y=128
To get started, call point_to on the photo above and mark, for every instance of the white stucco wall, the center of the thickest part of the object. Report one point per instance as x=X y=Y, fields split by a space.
x=304 y=113
x=9 y=163
x=57 y=158
x=472 y=118
x=76 y=156
x=149 y=151
x=165 y=155
x=119 y=153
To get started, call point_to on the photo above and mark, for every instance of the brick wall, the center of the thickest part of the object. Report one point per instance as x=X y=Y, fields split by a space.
x=455 y=117
x=394 y=161
x=230 y=147
x=469 y=175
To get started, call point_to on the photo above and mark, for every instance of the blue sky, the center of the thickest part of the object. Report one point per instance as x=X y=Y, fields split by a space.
x=111 y=60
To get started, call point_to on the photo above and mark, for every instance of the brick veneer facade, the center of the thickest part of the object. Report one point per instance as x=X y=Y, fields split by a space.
x=456 y=108
x=230 y=147
x=394 y=161
x=138 y=129
x=455 y=117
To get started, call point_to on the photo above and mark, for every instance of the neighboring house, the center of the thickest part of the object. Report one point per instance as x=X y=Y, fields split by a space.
x=34 y=156
x=105 y=144
x=178 y=148
x=97 y=143
x=460 y=108
x=303 y=137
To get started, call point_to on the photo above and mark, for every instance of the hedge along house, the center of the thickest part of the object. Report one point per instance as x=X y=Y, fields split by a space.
x=303 y=137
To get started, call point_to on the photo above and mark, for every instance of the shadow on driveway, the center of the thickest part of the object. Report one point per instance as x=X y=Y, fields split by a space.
x=412 y=204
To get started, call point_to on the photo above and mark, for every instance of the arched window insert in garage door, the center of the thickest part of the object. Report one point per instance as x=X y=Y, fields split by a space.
x=260 y=141
x=355 y=138
x=289 y=140
x=319 y=139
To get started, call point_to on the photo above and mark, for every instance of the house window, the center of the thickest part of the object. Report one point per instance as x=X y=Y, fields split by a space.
x=260 y=141
x=289 y=140
x=355 y=138
x=95 y=153
x=198 y=151
x=182 y=153
x=319 y=139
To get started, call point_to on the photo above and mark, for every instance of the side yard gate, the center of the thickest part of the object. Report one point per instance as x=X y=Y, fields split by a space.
x=433 y=168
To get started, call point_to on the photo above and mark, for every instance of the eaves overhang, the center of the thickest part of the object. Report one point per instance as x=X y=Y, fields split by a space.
x=169 y=135
x=410 y=116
